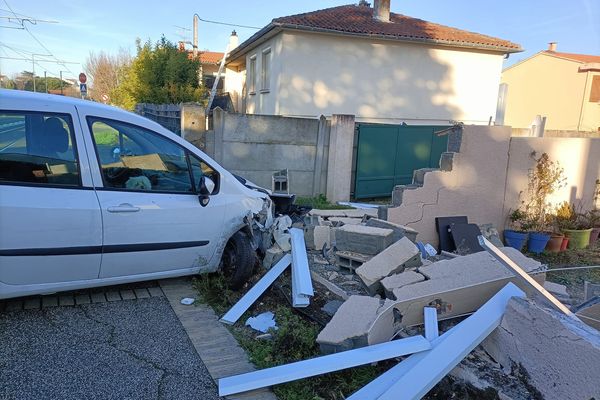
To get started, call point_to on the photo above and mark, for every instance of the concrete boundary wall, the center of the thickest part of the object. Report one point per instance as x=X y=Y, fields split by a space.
x=489 y=172
x=256 y=146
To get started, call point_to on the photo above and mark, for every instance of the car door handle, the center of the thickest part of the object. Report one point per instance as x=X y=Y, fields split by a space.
x=123 y=208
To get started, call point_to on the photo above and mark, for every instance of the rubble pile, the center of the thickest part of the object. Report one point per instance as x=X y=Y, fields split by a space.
x=380 y=280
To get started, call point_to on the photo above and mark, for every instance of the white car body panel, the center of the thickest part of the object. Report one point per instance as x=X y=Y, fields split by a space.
x=79 y=217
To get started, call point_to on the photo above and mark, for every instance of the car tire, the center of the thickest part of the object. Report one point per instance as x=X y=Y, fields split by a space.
x=238 y=260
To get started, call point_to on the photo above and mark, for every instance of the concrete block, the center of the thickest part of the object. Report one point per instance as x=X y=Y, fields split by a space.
x=349 y=326
x=559 y=356
x=392 y=260
x=474 y=268
x=350 y=260
x=400 y=231
x=322 y=237
x=346 y=220
x=556 y=289
x=399 y=280
x=272 y=256
x=363 y=239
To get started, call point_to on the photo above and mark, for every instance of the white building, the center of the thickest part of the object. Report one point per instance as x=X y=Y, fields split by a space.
x=365 y=61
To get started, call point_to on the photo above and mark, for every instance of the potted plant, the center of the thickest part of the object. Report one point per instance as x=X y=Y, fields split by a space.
x=517 y=235
x=545 y=178
x=593 y=221
x=563 y=218
x=574 y=225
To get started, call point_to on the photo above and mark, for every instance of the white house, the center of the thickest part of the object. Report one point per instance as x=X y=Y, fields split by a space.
x=372 y=63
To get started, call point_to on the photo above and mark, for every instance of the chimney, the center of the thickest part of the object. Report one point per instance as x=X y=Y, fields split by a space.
x=381 y=10
x=552 y=46
x=234 y=41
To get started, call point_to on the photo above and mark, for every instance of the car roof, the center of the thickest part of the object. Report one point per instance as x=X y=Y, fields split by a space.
x=44 y=98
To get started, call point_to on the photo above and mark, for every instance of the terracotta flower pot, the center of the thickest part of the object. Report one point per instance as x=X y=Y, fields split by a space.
x=555 y=243
x=565 y=243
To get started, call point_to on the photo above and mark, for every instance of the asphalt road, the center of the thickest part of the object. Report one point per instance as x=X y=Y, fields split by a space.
x=131 y=349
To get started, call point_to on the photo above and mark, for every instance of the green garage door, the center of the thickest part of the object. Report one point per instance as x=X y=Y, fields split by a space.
x=388 y=154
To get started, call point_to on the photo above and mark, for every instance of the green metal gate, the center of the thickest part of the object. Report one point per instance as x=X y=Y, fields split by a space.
x=387 y=155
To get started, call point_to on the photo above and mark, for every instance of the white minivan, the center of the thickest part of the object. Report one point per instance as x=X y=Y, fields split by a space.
x=92 y=195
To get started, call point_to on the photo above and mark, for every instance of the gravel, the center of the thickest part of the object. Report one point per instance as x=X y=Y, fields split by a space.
x=134 y=349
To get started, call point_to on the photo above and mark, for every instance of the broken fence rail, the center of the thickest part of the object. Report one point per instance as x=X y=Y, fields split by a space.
x=256 y=291
x=302 y=288
x=321 y=365
x=415 y=376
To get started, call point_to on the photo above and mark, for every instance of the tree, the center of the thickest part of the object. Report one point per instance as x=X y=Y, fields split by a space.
x=160 y=73
x=106 y=73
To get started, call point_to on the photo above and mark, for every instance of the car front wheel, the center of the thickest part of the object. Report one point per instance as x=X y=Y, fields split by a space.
x=238 y=260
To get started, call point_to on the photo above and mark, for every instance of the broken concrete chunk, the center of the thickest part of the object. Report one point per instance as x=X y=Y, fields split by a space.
x=272 y=255
x=363 y=239
x=400 y=231
x=392 y=260
x=321 y=237
x=559 y=355
x=556 y=289
x=331 y=307
x=398 y=280
x=345 y=220
x=349 y=326
x=478 y=266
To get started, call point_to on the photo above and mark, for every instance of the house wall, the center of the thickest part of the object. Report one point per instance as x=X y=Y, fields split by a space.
x=265 y=101
x=487 y=175
x=380 y=81
x=551 y=87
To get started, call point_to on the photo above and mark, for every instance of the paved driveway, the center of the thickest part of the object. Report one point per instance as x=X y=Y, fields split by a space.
x=128 y=349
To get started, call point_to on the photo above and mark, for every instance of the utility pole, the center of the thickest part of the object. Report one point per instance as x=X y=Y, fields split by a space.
x=195 y=49
x=46 y=81
x=61 y=84
x=33 y=65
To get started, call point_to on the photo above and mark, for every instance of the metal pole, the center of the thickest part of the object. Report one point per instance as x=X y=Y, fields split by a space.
x=33 y=68
x=46 y=81
x=61 y=84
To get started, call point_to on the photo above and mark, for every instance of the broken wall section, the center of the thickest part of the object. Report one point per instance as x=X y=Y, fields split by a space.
x=557 y=355
x=474 y=186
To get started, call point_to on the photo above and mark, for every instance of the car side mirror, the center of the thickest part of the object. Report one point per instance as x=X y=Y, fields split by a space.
x=203 y=192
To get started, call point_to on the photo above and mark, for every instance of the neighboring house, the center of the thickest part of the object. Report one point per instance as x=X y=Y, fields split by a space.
x=563 y=87
x=210 y=61
x=372 y=63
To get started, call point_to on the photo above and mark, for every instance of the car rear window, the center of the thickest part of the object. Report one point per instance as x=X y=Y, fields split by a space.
x=38 y=148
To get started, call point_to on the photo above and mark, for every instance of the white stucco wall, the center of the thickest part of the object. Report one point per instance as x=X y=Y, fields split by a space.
x=381 y=81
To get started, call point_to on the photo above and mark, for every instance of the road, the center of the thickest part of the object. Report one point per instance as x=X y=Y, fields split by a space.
x=127 y=349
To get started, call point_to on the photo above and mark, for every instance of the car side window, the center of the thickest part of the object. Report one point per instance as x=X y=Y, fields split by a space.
x=38 y=148
x=136 y=158
x=201 y=169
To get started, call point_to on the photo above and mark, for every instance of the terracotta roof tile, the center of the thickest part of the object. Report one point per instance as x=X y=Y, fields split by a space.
x=356 y=19
x=207 y=57
x=584 y=58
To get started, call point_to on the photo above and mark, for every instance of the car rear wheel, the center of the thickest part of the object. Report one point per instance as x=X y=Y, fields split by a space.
x=238 y=260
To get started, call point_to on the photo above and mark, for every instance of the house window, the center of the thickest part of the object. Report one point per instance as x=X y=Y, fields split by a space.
x=265 y=71
x=252 y=75
x=595 y=91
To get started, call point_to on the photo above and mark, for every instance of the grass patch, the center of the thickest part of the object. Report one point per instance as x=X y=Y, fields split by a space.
x=574 y=280
x=294 y=340
x=319 y=202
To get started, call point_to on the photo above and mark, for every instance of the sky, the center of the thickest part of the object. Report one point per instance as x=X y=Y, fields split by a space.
x=107 y=25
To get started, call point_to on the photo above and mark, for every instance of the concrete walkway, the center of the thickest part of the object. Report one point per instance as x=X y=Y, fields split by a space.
x=218 y=349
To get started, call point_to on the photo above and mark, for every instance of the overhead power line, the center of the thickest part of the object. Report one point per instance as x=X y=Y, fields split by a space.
x=223 y=23
x=37 y=40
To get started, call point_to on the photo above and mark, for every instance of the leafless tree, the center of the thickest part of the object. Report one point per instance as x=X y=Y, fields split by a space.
x=105 y=72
